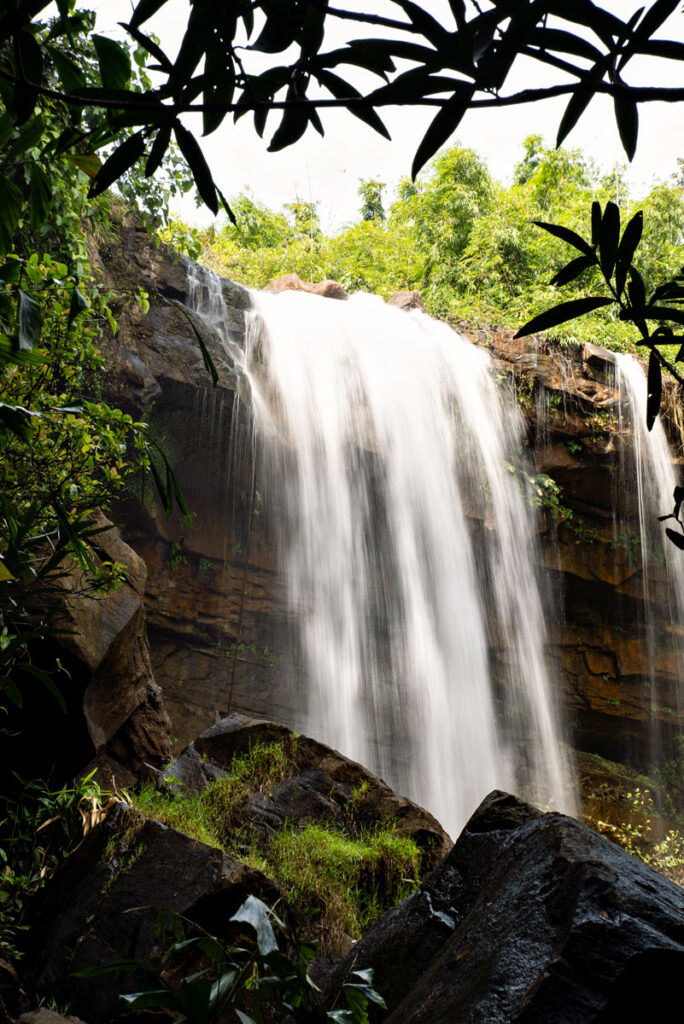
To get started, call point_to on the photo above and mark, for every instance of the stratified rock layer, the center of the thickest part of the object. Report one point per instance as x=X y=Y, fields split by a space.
x=531 y=918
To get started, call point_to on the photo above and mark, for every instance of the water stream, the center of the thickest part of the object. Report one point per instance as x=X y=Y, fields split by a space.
x=391 y=463
x=648 y=464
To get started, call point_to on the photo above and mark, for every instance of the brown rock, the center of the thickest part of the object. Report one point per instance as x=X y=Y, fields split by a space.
x=94 y=620
x=44 y=1016
x=123 y=705
x=293 y=283
x=408 y=300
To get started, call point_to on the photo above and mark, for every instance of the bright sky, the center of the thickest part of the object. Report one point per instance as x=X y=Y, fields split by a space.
x=327 y=170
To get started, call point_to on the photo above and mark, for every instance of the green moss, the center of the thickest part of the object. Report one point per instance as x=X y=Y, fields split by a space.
x=209 y=816
x=342 y=882
x=350 y=882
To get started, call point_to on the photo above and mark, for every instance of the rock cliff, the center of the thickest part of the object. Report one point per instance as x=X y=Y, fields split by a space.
x=216 y=610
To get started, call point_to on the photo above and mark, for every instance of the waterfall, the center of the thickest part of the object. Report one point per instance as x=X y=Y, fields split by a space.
x=648 y=461
x=391 y=464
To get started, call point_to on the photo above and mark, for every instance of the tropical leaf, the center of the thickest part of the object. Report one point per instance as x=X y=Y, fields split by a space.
x=561 y=314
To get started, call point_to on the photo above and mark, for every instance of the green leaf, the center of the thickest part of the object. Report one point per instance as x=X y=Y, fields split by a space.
x=46 y=680
x=11 y=203
x=31 y=136
x=30 y=321
x=118 y=163
x=443 y=126
x=160 y=999
x=208 y=361
x=194 y=156
x=655 y=390
x=41 y=196
x=70 y=75
x=560 y=314
x=89 y=163
x=114 y=61
x=254 y=912
x=16 y=420
x=10 y=271
x=571 y=237
x=609 y=237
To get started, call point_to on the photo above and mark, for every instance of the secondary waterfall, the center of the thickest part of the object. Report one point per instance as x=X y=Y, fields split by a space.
x=662 y=564
x=408 y=548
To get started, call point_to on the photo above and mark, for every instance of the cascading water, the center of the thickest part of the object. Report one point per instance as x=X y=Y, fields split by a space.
x=408 y=549
x=662 y=564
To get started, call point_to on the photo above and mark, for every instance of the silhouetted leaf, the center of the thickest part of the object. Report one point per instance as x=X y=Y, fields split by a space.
x=631 y=237
x=192 y=152
x=343 y=90
x=627 y=117
x=158 y=151
x=572 y=270
x=609 y=237
x=571 y=237
x=149 y=44
x=560 y=314
x=144 y=10
x=118 y=163
x=595 y=223
x=636 y=288
x=443 y=126
x=676 y=538
x=564 y=42
x=293 y=124
x=655 y=390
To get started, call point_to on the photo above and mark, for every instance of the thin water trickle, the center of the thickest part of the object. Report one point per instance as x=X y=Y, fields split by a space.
x=408 y=549
x=662 y=564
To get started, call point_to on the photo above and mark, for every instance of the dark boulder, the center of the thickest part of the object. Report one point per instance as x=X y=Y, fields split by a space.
x=533 y=918
x=321 y=785
x=104 y=900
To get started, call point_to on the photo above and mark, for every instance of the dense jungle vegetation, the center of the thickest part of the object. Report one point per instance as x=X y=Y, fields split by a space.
x=468 y=243
x=72 y=125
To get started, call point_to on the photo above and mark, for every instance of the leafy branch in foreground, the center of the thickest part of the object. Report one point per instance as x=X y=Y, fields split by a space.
x=271 y=983
x=455 y=64
x=613 y=255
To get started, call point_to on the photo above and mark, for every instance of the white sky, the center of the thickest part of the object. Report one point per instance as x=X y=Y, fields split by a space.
x=327 y=170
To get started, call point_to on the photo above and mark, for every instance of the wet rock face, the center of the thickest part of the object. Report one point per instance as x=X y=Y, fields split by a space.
x=219 y=626
x=534 y=918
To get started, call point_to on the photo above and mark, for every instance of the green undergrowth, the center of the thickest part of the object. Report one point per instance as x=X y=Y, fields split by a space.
x=338 y=878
